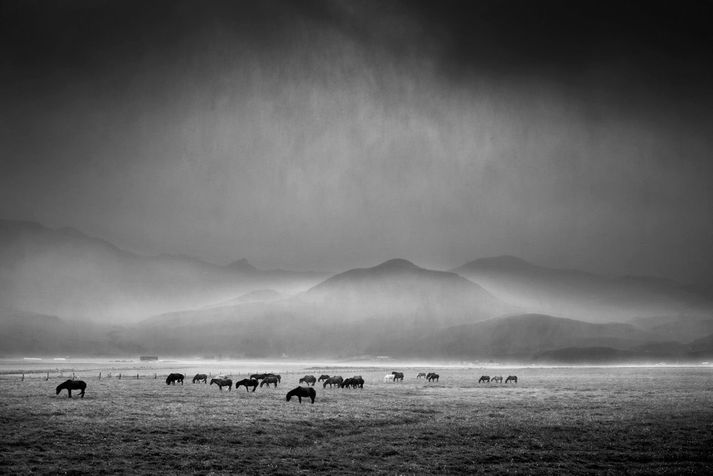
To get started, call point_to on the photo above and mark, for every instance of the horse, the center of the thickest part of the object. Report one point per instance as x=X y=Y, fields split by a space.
x=173 y=378
x=357 y=382
x=512 y=378
x=333 y=381
x=497 y=378
x=389 y=378
x=433 y=376
x=258 y=376
x=72 y=385
x=347 y=383
x=398 y=376
x=308 y=379
x=300 y=392
x=268 y=380
x=322 y=377
x=248 y=382
x=484 y=378
x=277 y=376
x=200 y=377
x=422 y=374
x=222 y=382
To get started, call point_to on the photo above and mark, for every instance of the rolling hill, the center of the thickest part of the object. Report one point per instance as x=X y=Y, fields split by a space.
x=65 y=273
x=581 y=295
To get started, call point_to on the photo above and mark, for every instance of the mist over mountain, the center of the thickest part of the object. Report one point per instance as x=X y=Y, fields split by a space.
x=65 y=292
x=581 y=295
x=399 y=289
x=65 y=273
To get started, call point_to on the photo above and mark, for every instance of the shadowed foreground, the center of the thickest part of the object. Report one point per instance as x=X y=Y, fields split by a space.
x=564 y=420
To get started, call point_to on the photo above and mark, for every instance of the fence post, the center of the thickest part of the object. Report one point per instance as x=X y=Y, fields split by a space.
x=119 y=376
x=48 y=376
x=100 y=375
x=137 y=376
x=23 y=377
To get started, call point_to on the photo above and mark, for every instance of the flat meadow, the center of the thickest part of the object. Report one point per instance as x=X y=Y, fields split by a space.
x=640 y=420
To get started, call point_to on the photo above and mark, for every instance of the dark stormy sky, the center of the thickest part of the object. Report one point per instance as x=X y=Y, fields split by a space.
x=331 y=134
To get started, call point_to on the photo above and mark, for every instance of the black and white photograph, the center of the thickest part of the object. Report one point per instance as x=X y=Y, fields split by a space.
x=356 y=237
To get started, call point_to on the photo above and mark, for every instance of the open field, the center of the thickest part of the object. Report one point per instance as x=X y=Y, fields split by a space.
x=564 y=420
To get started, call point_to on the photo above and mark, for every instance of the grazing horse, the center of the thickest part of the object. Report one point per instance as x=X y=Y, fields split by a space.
x=259 y=376
x=72 y=385
x=277 y=376
x=433 y=376
x=484 y=378
x=200 y=377
x=347 y=383
x=497 y=378
x=331 y=381
x=300 y=392
x=222 y=382
x=322 y=377
x=422 y=375
x=511 y=378
x=357 y=382
x=173 y=378
x=389 y=378
x=248 y=382
x=308 y=379
x=398 y=376
x=268 y=380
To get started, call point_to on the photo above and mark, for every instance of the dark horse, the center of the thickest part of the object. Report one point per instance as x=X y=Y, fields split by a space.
x=484 y=378
x=222 y=382
x=72 y=385
x=248 y=382
x=398 y=376
x=268 y=380
x=200 y=377
x=432 y=376
x=331 y=381
x=308 y=379
x=322 y=377
x=302 y=392
x=511 y=378
x=173 y=378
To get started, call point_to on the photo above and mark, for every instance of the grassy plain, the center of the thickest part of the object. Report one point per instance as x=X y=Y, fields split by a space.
x=586 y=420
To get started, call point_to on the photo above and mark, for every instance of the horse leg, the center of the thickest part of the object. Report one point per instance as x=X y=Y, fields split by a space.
x=311 y=398
x=300 y=399
x=69 y=393
x=81 y=395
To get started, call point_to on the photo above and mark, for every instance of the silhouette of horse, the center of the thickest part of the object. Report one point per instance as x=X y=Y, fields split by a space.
x=258 y=376
x=300 y=392
x=268 y=380
x=433 y=376
x=353 y=382
x=398 y=376
x=497 y=378
x=511 y=378
x=389 y=378
x=422 y=374
x=222 y=382
x=308 y=379
x=322 y=377
x=200 y=377
x=248 y=382
x=173 y=378
x=72 y=385
x=484 y=378
x=331 y=381
x=277 y=376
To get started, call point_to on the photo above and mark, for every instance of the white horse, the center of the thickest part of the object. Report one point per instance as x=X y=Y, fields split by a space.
x=389 y=378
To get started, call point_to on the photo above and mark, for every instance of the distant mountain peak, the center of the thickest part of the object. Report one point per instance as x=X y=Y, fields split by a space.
x=241 y=265
x=396 y=263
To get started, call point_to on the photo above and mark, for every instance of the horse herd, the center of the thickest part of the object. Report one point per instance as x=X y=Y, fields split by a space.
x=497 y=378
x=260 y=380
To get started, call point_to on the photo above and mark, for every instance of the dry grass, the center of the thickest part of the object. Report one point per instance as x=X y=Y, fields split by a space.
x=564 y=421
